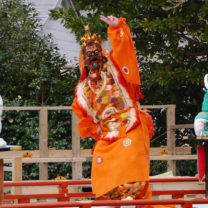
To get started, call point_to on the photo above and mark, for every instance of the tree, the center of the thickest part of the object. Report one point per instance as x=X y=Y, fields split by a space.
x=30 y=62
x=171 y=40
x=32 y=73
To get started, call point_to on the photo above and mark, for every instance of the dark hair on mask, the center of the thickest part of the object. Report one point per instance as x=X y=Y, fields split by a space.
x=90 y=43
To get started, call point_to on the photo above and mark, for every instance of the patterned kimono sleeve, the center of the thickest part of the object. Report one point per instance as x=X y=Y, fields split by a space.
x=86 y=126
x=123 y=53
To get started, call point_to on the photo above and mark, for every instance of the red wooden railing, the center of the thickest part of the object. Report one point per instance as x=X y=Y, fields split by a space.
x=63 y=196
x=183 y=203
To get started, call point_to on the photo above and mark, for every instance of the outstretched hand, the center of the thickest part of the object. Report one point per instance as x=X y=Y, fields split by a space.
x=110 y=20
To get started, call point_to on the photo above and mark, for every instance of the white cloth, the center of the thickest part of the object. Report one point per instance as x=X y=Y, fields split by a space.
x=2 y=143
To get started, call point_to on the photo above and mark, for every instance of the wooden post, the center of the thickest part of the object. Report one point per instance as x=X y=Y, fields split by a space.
x=1 y=181
x=17 y=174
x=43 y=142
x=76 y=166
x=171 y=137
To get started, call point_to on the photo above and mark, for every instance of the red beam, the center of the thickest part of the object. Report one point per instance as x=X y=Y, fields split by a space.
x=184 y=203
x=83 y=194
x=90 y=194
x=175 y=192
x=45 y=196
x=81 y=182
x=44 y=183
x=158 y=180
x=33 y=196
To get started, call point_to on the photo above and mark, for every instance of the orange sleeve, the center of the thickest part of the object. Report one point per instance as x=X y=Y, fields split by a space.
x=123 y=51
x=86 y=126
x=77 y=110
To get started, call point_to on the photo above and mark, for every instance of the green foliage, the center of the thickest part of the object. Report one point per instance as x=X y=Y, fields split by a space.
x=59 y=169
x=30 y=171
x=157 y=167
x=87 y=143
x=59 y=124
x=32 y=73
x=170 y=38
x=86 y=169
x=29 y=61
x=21 y=128
x=183 y=170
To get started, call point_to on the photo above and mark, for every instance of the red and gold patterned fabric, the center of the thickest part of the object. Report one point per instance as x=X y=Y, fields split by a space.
x=109 y=102
x=136 y=190
x=106 y=99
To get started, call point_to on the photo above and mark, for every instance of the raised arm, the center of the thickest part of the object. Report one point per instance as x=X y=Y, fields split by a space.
x=123 y=52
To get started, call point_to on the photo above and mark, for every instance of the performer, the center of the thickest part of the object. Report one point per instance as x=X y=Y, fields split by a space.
x=107 y=104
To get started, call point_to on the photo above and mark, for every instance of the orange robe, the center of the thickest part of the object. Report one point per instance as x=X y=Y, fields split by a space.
x=121 y=156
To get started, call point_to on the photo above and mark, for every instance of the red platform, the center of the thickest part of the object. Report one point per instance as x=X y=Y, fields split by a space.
x=63 y=196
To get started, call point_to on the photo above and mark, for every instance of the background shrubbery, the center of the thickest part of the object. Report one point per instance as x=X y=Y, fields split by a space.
x=32 y=74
